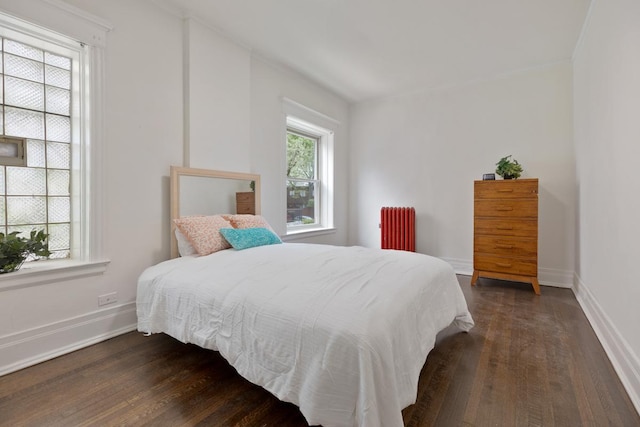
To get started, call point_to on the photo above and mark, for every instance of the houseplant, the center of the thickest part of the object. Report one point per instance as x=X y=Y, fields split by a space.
x=509 y=168
x=14 y=250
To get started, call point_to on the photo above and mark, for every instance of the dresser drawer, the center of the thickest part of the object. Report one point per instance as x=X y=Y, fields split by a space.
x=506 y=227
x=520 y=208
x=506 y=189
x=507 y=246
x=245 y=197
x=245 y=209
x=522 y=267
x=245 y=203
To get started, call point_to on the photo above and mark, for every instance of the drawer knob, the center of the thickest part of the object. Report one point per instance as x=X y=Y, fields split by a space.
x=505 y=190
x=503 y=246
x=504 y=208
x=504 y=227
x=503 y=264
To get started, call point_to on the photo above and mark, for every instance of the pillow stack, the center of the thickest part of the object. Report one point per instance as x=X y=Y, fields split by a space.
x=204 y=235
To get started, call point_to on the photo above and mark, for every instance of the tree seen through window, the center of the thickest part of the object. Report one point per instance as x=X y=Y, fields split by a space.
x=301 y=178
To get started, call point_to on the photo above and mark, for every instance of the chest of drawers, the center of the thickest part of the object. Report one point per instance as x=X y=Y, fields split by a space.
x=246 y=203
x=505 y=237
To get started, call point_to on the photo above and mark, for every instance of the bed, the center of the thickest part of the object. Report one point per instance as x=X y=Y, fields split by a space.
x=342 y=332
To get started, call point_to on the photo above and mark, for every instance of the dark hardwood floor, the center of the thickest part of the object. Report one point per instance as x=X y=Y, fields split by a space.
x=530 y=361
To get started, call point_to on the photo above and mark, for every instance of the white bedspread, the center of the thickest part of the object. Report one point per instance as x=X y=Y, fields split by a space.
x=342 y=332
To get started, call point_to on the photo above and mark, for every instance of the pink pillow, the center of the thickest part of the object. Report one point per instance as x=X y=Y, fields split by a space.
x=247 y=221
x=203 y=232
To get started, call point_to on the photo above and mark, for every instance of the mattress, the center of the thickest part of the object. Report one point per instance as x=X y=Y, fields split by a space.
x=342 y=332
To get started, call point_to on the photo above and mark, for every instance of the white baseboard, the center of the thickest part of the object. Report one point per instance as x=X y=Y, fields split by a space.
x=26 y=348
x=623 y=359
x=556 y=278
x=461 y=266
x=546 y=276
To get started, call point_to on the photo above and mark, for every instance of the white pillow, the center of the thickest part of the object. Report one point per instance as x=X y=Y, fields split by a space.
x=184 y=247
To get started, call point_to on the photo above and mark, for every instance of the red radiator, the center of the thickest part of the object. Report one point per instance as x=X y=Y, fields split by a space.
x=398 y=226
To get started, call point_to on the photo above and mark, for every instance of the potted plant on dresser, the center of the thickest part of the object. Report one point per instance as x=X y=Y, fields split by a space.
x=508 y=168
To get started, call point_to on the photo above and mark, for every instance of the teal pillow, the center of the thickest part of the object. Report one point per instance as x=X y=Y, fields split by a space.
x=243 y=238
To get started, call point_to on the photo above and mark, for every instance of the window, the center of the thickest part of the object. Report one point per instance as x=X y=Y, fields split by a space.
x=51 y=108
x=302 y=178
x=309 y=169
x=12 y=151
x=36 y=105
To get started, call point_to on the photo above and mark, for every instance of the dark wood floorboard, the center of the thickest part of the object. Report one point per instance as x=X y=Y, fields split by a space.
x=530 y=361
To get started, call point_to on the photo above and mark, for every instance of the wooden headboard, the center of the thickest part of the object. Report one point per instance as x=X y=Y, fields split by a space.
x=207 y=192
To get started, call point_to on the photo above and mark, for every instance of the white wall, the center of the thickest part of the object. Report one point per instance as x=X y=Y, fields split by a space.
x=161 y=71
x=606 y=106
x=425 y=150
x=143 y=117
x=236 y=122
x=217 y=74
x=269 y=84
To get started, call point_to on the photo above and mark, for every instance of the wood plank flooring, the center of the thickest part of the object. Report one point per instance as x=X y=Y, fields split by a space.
x=530 y=361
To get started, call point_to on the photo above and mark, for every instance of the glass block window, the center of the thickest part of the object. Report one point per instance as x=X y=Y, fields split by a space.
x=35 y=103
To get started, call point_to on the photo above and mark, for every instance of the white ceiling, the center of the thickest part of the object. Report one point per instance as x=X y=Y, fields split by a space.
x=367 y=49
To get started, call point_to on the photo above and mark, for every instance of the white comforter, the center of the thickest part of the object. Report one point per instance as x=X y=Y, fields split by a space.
x=342 y=332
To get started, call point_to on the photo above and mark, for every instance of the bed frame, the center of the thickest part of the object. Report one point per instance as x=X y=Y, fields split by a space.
x=176 y=184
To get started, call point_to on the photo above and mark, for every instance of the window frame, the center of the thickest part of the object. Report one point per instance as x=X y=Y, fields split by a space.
x=294 y=128
x=20 y=158
x=73 y=52
x=308 y=122
x=86 y=257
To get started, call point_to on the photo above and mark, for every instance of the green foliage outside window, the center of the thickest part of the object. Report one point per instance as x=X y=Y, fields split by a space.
x=301 y=156
x=301 y=174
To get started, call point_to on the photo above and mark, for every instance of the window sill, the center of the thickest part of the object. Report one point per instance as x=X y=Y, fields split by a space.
x=50 y=271
x=310 y=232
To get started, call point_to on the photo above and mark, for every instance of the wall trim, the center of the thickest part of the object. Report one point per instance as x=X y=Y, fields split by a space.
x=27 y=348
x=583 y=31
x=546 y=276
x=555 y=277
x=45 y=272
x=61 y=17
x=103 y=24
x=443 y=87
x=171 y=8
x=461 y=266
x=624 y=361
x=295 y=109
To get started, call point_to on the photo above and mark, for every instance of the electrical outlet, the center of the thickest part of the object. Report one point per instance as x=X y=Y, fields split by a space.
x=107 y=298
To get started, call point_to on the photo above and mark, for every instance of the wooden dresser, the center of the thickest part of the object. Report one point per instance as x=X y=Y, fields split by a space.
x=505 y=238
x=246 y=202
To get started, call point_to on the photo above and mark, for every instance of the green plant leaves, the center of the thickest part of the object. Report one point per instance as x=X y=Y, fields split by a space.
x=508 y=168
x=14 y=250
